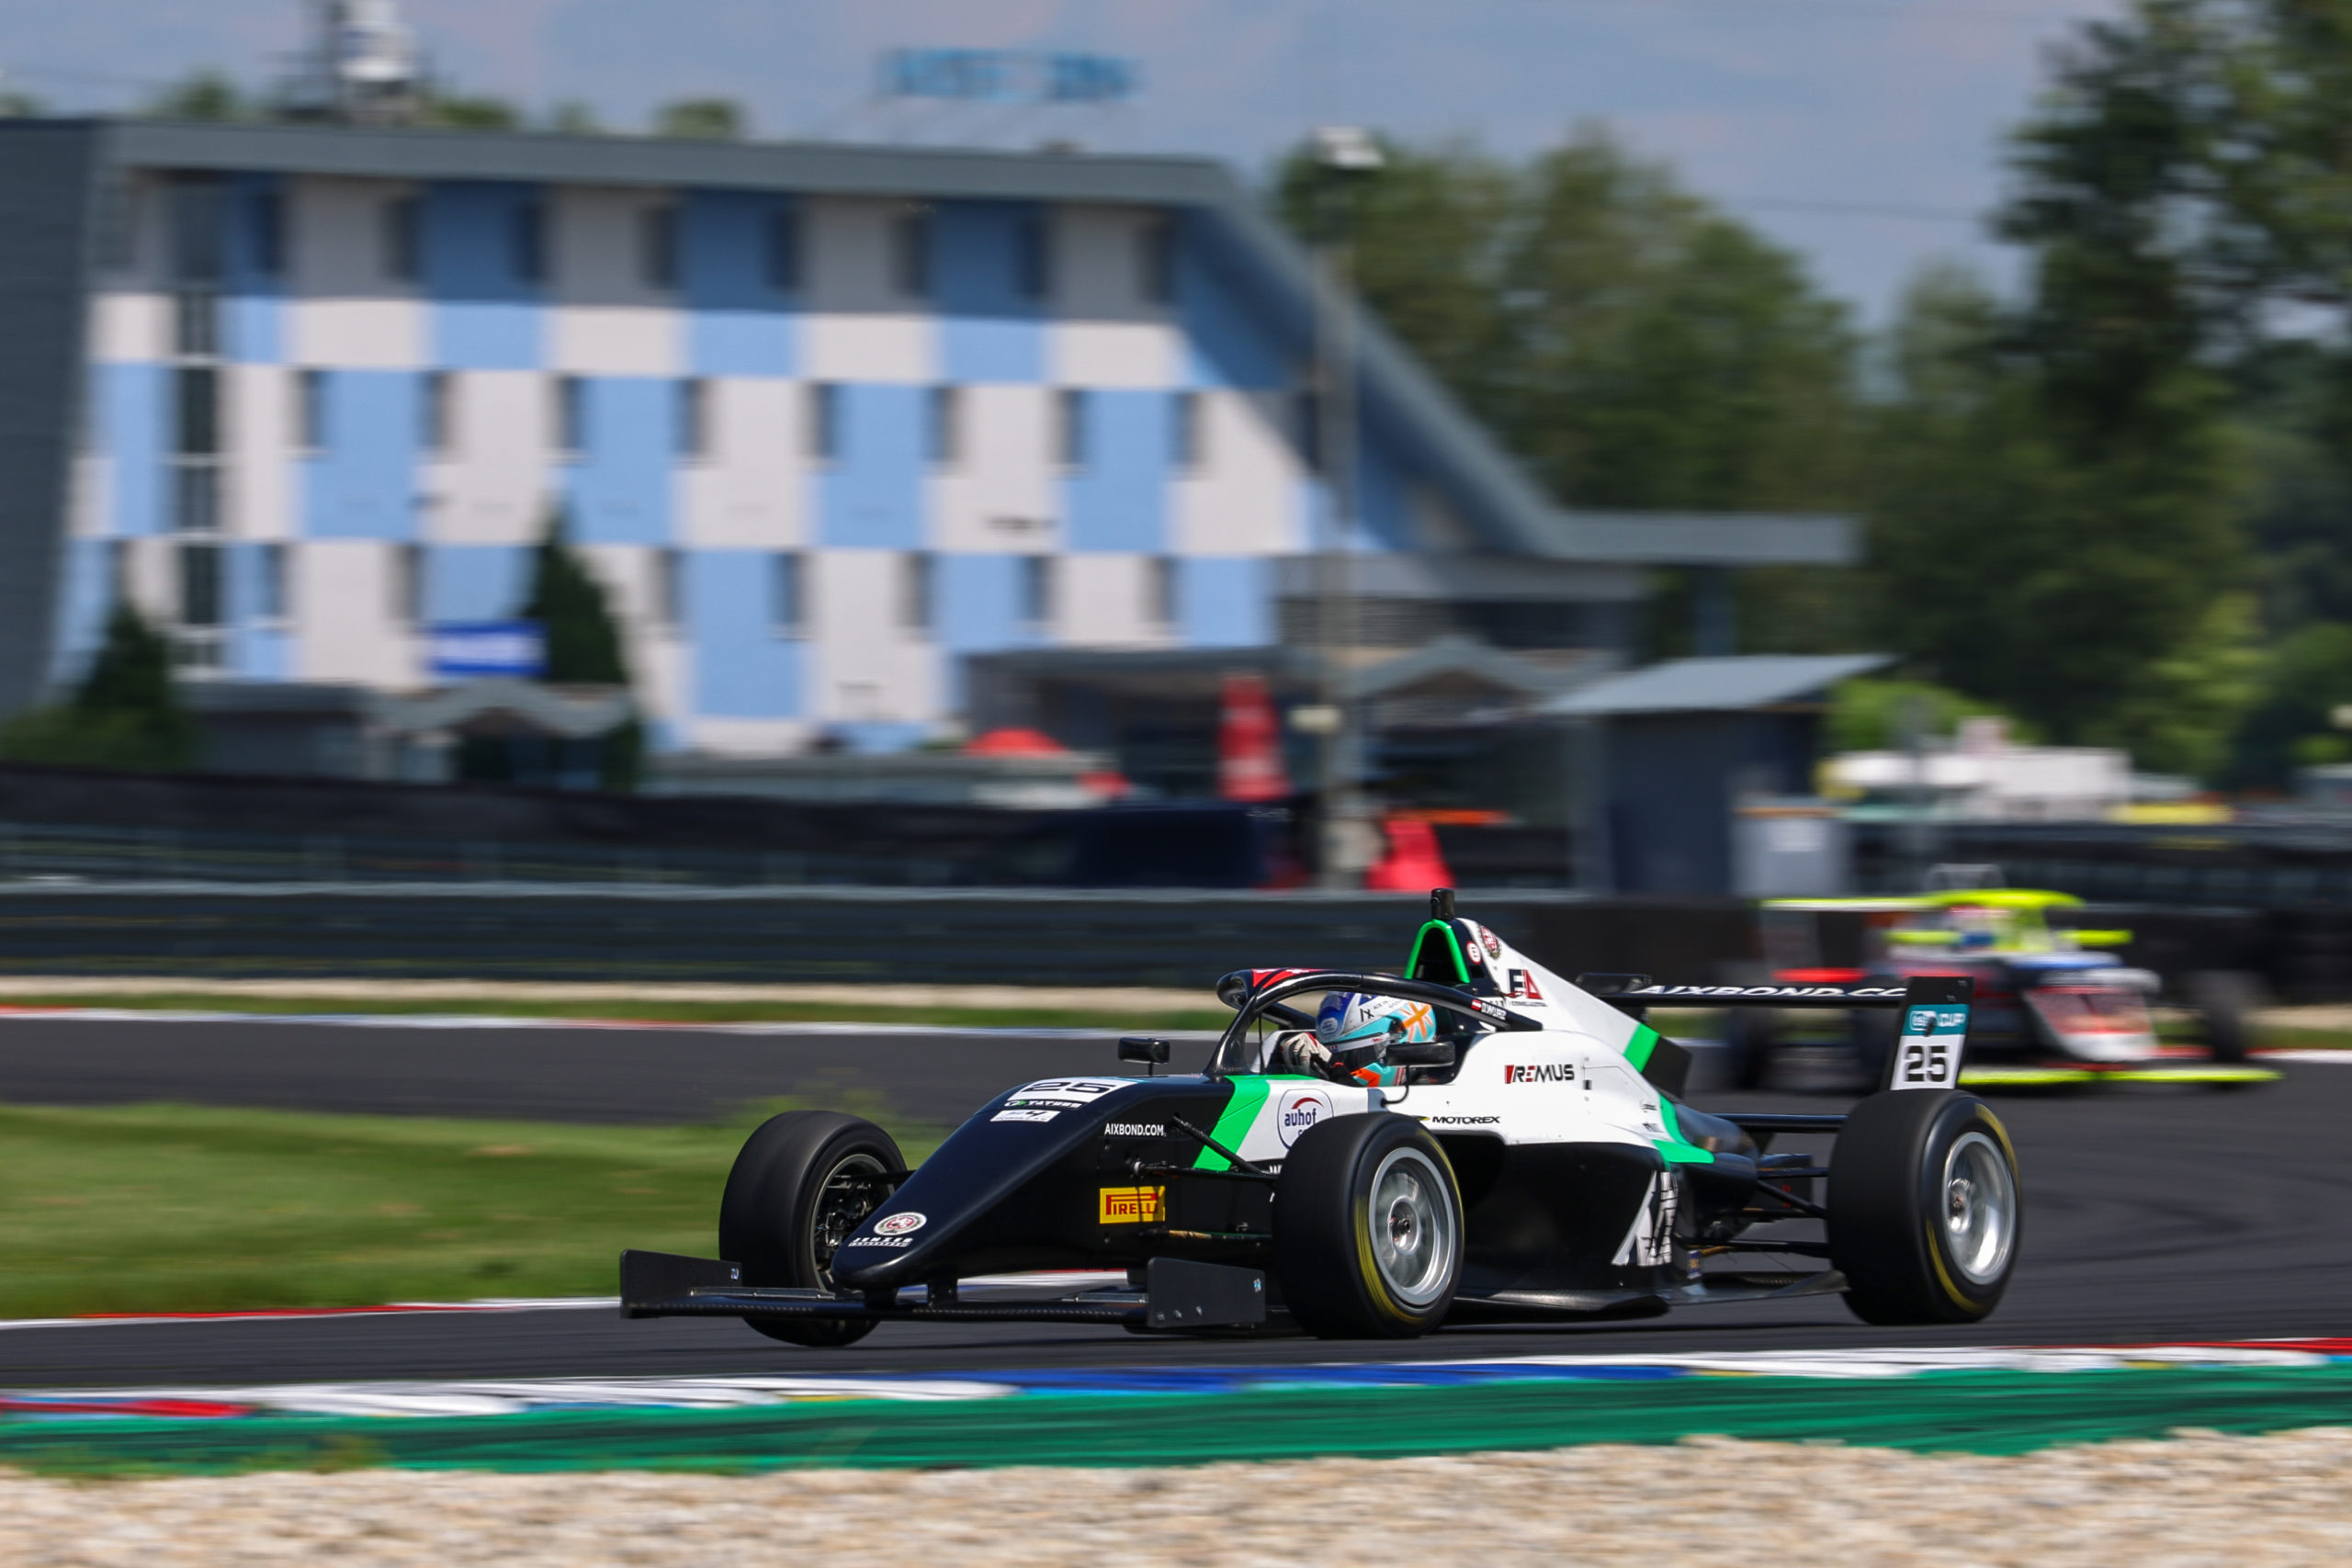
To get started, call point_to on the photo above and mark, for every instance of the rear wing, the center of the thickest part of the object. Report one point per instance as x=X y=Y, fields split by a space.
x=1928 y=1045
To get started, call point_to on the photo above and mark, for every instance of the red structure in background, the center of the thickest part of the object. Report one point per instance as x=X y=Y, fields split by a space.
x=1412 y=863
x=1248 y=742
x=1013 y=743
x=1103 y=785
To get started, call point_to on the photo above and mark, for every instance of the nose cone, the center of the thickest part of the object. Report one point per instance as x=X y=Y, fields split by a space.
x=889 y=1249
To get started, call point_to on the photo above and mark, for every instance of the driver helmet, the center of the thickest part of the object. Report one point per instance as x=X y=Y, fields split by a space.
x=1358 y=1028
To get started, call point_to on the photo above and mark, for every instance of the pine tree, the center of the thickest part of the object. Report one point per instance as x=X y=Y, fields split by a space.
x=583 y=640
x=126 y=712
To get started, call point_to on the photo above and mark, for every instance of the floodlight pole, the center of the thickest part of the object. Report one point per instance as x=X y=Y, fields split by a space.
x=1341 y=153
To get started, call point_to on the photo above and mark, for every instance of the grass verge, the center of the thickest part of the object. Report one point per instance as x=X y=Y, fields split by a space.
x=650 y=1011
x=171 y=1208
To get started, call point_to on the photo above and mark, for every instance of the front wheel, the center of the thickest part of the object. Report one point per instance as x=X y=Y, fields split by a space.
x=1368 y=1229
x=1925 y=1207
x=2226 y=1000
x=803 y=1183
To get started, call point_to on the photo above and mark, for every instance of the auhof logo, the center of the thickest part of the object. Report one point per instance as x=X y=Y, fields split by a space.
x=1300 y=1108
x=1540 y=1072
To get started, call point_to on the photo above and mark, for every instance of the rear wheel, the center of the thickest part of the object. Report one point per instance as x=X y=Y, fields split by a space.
x=1925 y=1208
x=1367 y=1229
x=802 y=1183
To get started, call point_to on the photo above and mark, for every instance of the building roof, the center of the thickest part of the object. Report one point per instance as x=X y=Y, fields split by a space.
x=1463 y=658
x=1716 y=685
x=1506 y=507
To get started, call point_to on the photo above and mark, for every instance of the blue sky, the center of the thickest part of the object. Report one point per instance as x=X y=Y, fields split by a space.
x=1783 y=109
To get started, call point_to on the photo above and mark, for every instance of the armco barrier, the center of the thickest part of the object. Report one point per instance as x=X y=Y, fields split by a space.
x=783 y=935
x=964 y=936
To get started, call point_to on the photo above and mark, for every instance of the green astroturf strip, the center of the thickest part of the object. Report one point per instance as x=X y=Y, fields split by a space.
x=1990 y=1412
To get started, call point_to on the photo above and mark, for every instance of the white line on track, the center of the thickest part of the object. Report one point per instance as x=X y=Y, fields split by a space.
x=511 y=1396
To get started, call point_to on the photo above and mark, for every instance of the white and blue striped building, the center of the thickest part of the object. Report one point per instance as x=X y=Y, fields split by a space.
x=826 y=420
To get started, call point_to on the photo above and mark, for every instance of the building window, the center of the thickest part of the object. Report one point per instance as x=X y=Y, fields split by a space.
x=694 y=419
x=195 y=498
x=403 y=221
x=1037 y=592
x=824 y=422
x=946 y=425
x=196 y=323
x=786 y=588
x=196 y=406
x=669 y=589
x=784 y=250
x=266 y=218
x=1033 y=257
x=1184 y=438
x=271 y=600
x=200 y=585
x=658 y=246
x=571 y=416
x=1155 y=261
x=440 y=412
x=914 y=591
x=528 y=237
x=311 y=410
x=911 y=253
x=408 y=584
x=1160 y=606
x=1069 y=428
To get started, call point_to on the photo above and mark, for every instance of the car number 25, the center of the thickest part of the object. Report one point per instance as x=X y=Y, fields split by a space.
x=1927 y=1055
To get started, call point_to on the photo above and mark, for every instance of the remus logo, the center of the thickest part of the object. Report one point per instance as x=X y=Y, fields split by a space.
x=1540 y=1072
x=1300 y=1108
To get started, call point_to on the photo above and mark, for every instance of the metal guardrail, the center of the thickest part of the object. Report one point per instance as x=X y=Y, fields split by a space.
x=108 y=853
x=869 y=935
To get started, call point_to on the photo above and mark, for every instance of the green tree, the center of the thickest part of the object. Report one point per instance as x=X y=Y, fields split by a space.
x=702 y=120
x=126 y=713
x=2306 y=680
x=573 y=117
x=1634 y=346
x=200 y=94
x=458 y=111
x=2074 y=561
x=583 y=640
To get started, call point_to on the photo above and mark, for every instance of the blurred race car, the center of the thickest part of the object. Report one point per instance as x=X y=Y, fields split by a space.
x=1376 y=1156
x=2053 y=1005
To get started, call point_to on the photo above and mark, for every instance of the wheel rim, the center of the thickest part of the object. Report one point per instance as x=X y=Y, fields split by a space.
x=1413 y=1237
x=850 y=1193
x=1980 y=1208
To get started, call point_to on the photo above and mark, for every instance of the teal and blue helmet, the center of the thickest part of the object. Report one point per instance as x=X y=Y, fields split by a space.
x=1358 y=1017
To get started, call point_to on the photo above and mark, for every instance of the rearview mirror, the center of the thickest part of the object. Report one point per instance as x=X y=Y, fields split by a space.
x=1143 y=1048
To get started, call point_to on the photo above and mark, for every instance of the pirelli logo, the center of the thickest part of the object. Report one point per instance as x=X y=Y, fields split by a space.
x=1134 y=1205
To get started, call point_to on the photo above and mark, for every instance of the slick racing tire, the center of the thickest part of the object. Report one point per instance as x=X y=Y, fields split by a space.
x=1368 y=1233
x=1925 y=1207
x=803 y=1183
x=2226 y=1000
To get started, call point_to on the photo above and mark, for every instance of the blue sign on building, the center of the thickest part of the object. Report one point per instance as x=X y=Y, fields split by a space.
x=474 y=650
x=1007 y=76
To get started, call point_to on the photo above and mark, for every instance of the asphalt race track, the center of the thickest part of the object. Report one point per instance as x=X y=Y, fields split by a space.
x=547 y=1073
x=2154 y=1214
